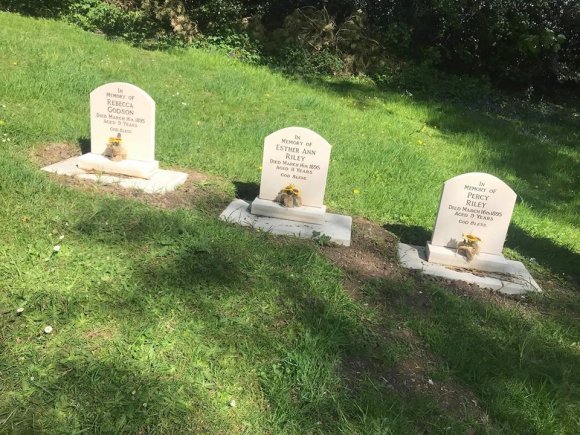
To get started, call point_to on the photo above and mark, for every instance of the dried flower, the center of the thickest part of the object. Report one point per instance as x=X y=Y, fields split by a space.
x=471 y=238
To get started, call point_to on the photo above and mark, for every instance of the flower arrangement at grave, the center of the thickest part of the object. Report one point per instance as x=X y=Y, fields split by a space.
x=115 y=150
x=469 y=246
x=289 y=197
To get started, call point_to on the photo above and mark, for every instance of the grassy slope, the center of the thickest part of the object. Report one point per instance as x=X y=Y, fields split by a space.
x=159 y=321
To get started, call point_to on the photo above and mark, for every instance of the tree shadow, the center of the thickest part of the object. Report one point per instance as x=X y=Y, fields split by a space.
x=246 y=191
x=244 y=289
x=84 y=144
x=409 y=234
x=277 y=308
x=534 y=142
x=545 y=252
x=502 y=356
x=114 y=396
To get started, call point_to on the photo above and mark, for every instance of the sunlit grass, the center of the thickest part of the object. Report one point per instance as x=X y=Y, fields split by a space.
x=161 y=318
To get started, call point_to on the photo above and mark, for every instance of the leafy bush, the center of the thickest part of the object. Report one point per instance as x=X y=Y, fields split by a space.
x=110 y=19
x=511 y=40
x=296 y=59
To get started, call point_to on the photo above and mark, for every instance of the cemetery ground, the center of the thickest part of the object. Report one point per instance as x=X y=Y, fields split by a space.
x=165 y=319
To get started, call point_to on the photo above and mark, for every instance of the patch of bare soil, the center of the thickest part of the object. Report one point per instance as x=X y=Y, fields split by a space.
x=373 y=254
x=409 y=378
x=53 y=153
x=189 y=195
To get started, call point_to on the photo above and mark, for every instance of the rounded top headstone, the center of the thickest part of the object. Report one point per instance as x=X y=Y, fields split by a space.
x=298 y=156
x=127 y=112
x=476 y=203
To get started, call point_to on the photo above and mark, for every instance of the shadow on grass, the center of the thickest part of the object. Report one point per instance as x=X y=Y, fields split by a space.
x=119 y=396
x=246 y=191
x=84 y=144
x=409 y=234
x=274 y=305
x=534 y=142
x=519 y=367
x=278 y=309
x=214 y=293
x=545 y=252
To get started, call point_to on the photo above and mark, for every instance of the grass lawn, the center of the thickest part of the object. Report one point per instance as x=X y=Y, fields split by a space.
x=167 y=320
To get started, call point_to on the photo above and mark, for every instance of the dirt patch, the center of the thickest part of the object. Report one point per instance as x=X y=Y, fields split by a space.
x=373 y=255
x=103 y=334
x=198 y=191
x=53 y=153
x=410 y=379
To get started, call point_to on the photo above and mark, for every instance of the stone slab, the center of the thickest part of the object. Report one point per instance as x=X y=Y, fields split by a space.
x=482 y=261
x=518 y=282
x=163 y=181
x=337 y=227
x=267 y=208
x=131 y=168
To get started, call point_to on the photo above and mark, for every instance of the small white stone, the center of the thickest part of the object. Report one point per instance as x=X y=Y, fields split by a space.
x=56 y=248
x=430 y=382
x=20 y=310
x=48 y=329
x=233 y=403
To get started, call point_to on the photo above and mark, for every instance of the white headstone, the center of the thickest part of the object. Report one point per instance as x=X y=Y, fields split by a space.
x=125 y=109
x=475 y=203
x=298 y=156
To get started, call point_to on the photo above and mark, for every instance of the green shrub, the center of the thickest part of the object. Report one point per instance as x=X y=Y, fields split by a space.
x=111 y=19
x=296 y=59
x=510 y=41
x=515 y=41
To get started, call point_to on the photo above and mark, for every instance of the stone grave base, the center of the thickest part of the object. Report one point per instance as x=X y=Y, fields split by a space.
x=336 y=227
x=516 y=280
x=131 y=168
x=162 y=181
x=482 y=261
x=312 y=215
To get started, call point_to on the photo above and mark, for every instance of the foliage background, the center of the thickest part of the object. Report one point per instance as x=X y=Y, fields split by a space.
x=514 y=43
